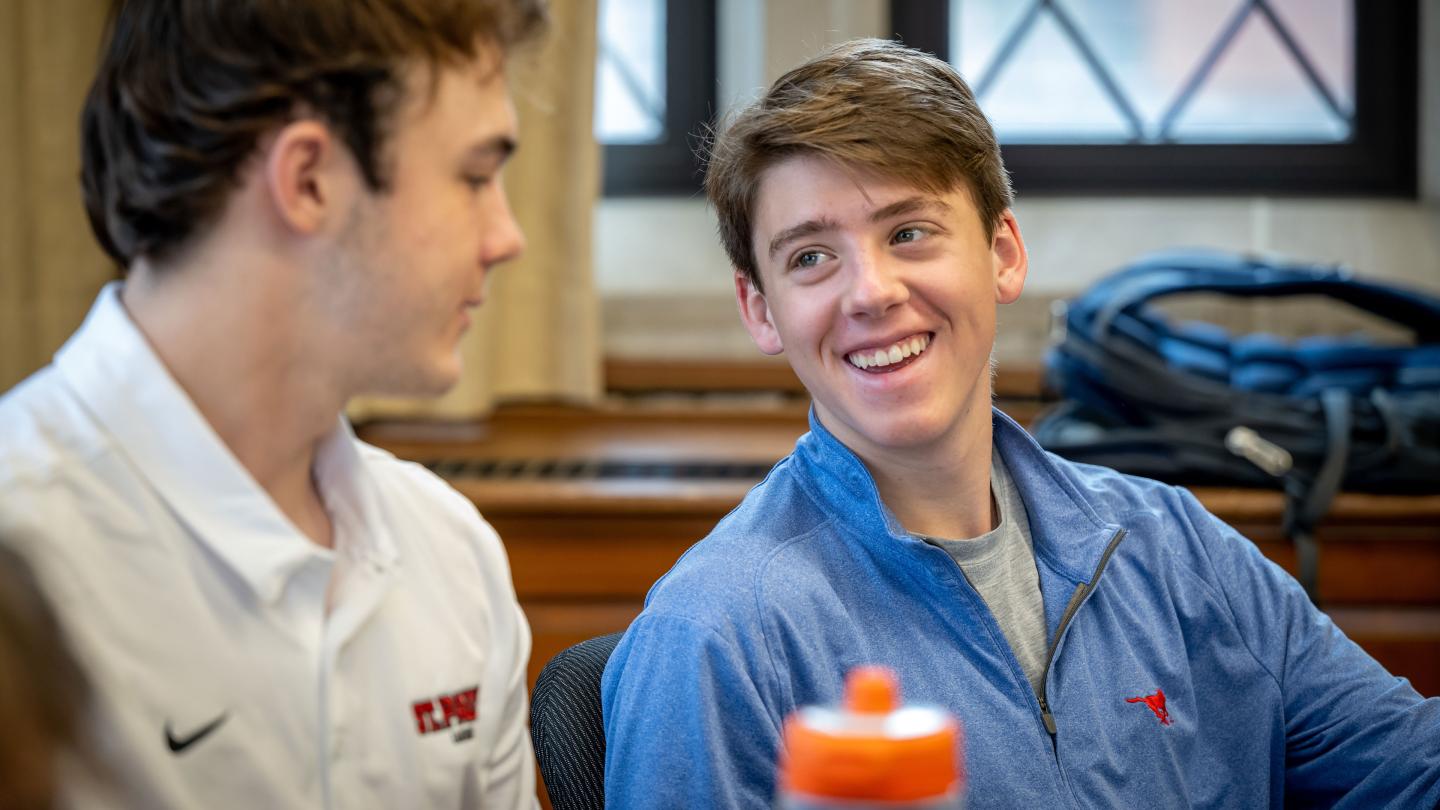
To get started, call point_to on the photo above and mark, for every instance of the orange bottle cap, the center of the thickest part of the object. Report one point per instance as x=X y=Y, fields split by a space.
x=872 y=748
x=871 y=690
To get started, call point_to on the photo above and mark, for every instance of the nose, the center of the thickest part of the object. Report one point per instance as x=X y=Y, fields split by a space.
x=501 y=238
x=875 y=287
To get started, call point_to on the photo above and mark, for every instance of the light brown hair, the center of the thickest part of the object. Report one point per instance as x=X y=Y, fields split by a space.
x=185 y=89
x=872 y=104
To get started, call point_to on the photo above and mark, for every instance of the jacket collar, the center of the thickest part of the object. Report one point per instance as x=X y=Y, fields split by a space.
x=1070 y=536
x=120 y=380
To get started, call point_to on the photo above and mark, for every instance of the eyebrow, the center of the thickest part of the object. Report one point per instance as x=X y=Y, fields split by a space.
x=809 y=227
x=804 y=229
x=499 y=147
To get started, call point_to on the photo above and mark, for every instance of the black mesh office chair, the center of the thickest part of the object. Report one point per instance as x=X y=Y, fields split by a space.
x=565 y=725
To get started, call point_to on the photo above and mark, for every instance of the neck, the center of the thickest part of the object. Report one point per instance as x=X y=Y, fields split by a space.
x=234 y=344
x=944 y=491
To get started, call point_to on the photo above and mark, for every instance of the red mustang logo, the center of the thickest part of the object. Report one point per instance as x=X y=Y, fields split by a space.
x=1156 y=702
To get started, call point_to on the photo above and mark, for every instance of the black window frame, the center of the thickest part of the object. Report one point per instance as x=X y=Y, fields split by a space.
x=673 y=165
x=1381 y=158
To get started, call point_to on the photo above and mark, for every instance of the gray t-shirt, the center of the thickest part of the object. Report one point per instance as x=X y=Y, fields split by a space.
x=1000 y=564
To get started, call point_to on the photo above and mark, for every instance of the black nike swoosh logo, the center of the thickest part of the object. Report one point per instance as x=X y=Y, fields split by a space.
x=178 y=744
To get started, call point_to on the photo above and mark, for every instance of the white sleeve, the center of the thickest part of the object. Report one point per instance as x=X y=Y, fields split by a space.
x=508 y=780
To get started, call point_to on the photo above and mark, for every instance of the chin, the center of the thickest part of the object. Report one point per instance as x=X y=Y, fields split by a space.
x=920 y=429
x=916 y=438
x=439 y=381
x=421 y=380
x=888 y=434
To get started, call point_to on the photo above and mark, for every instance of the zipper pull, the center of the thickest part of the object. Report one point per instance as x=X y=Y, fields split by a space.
x=1047 y=717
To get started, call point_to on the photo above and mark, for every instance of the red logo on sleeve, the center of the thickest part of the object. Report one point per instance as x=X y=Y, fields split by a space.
x=444 y=711
x=1156 y=703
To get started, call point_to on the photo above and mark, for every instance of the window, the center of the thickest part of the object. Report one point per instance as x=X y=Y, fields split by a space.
x=654 y=91
x=1246 y=96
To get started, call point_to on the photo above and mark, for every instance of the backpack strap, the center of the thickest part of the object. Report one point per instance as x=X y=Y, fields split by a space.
x=1305 y=506
x=1163 y=274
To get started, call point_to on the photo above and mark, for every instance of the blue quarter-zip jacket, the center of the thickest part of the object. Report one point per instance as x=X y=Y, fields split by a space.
x=1267 y=702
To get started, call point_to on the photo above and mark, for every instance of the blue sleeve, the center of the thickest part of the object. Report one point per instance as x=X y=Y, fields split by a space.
x=1356 y=736
x=685 y=723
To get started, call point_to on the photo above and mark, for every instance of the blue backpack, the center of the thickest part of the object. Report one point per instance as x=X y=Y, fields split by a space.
x=1189 y=403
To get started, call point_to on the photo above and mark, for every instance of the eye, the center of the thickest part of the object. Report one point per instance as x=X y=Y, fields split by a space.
x=909 y=233
x=809 y=258
x=477 y=182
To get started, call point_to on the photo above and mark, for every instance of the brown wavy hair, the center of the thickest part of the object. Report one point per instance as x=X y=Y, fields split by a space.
x=869 y=103
x=185 y=89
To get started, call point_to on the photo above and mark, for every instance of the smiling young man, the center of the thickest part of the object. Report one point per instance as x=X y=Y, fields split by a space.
x=1103 y=639
x=307 y=200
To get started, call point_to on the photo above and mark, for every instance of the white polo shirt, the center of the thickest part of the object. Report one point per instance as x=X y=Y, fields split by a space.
x=199 y=609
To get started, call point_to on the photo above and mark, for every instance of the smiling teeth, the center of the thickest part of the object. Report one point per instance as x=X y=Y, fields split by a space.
x=894 y=354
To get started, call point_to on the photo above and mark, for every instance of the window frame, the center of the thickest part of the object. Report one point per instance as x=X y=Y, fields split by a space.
x=1380 y=159
x=673 y=166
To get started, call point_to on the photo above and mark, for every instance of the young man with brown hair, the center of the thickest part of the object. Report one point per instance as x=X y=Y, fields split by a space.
x=1104 y=640
x=307 y=198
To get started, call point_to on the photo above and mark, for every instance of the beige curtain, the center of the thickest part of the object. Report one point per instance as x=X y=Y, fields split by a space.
x=538 y=334
x=50 y=266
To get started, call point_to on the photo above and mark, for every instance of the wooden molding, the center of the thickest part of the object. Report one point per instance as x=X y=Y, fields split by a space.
x=638 y=376
x=629 y=375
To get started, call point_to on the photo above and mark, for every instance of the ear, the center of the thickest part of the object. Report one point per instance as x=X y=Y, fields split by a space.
x=755 y=313
x=302 y=171
x=1008 y=256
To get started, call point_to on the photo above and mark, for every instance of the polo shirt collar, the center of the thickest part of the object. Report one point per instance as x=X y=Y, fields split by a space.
x=352 y=499
x=120 y=380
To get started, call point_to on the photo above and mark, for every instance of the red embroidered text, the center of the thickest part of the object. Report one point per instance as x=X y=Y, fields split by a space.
x=440 y=713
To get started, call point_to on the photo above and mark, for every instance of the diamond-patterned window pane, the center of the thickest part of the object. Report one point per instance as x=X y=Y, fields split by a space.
x=977 y=32
x=1075 y=105
x=1152 y=46
x=630 y=72
x=1147 y=71
x=1325 y=27
x=1257 y=93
